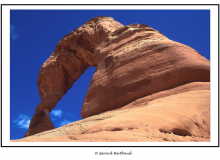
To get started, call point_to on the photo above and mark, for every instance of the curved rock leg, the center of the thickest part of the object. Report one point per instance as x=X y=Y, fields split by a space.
x=40 y=122
x=71 y=57
x=53 y=83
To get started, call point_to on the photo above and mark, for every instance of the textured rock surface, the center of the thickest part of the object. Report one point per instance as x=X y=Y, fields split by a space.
x=135 y=65
x=182 y=115
x=71 y=57
x=137 y=61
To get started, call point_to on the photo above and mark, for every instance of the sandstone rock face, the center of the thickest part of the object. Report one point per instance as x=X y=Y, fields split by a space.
x=71 y=57
x=136 y=61
x=180 y=115
x=136 y=65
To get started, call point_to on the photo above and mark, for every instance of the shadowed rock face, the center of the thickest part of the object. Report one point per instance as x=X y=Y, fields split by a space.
x=40 y=122
x=132 y=62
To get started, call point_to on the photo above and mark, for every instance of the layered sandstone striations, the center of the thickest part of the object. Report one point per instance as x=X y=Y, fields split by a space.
x=71 y=57
x=136 y=61
x=136 y=66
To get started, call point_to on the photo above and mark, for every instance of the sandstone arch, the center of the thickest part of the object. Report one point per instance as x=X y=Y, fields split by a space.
x=132 y=62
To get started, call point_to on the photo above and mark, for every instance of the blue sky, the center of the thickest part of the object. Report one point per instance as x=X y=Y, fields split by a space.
x=35 y=33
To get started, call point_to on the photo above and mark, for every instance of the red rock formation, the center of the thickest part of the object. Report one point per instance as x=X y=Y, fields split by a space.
x=71 y=57
x=133 y=62
x=136 y=61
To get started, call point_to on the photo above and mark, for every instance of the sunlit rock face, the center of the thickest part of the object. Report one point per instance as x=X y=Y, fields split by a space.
x=180 y=114
x=136 y=61
x=135 y=65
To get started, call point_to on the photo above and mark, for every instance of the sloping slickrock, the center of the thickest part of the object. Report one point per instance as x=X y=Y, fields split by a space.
x=177 y=117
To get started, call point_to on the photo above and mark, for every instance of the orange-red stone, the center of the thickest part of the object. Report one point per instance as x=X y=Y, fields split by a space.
x=135 y=65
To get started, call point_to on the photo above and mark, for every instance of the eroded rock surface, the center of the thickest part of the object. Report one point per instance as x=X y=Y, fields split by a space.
x=71 y=57
x=137 y=61
x=135 y=65
x=177 y=117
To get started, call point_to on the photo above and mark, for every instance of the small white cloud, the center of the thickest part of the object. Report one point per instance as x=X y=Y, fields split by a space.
x=64 y=122
x=22 y=121
x=56 y=112
x=70 y=114
x=13 y=32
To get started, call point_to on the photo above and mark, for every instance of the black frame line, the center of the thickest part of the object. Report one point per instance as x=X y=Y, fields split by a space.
x=112 y=5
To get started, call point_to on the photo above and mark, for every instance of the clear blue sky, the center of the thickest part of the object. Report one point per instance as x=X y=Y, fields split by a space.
x=35 y=33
